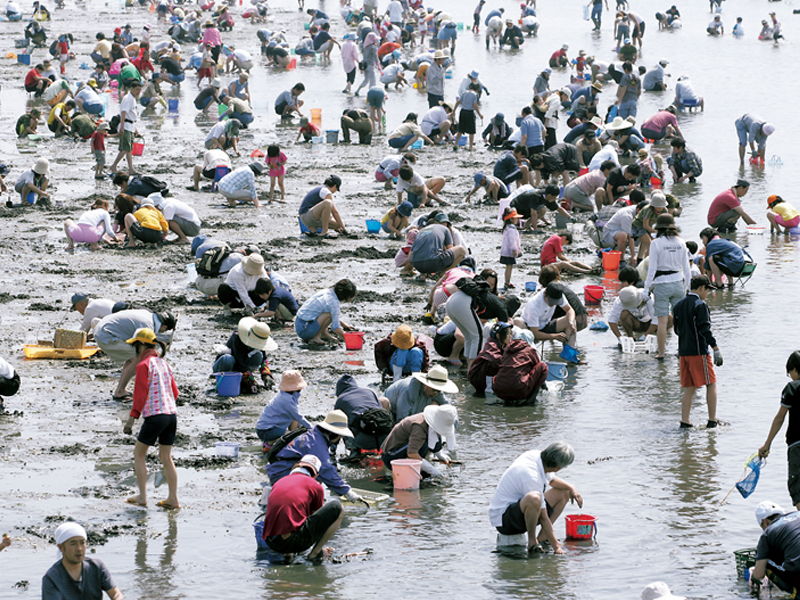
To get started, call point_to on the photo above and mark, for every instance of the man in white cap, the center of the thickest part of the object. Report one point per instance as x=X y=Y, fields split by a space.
x=417 y=435
x=520 y=503
x=753 y=130
x=297 y=519
x=74 y=575
x=778 y=551
x=34 y=181
x=411 y=395
x=658 y=590
x=633 y=311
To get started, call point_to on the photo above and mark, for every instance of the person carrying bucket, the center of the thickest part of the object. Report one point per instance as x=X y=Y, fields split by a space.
x=319 y=441
x=417 y=435
x=297 y=518
x=523 y=504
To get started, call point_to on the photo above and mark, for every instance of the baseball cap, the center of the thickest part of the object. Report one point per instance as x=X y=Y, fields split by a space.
x=742 y=183
x=78 y=297
x=553 y=292
x=309 y=460
x=767 y=509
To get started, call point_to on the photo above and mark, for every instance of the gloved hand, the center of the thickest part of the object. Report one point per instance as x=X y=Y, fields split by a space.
x=717 y=358
x=430 y=469
x=220 y=349
x=443 y=456
x=351 y=496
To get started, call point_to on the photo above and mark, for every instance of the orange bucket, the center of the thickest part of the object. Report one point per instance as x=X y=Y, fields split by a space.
x=581 y=527
x=655 y=183
x=611 y=260
x=354 y=340
x=292 y=64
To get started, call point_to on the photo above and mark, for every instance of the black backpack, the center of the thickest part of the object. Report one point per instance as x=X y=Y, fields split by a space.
x=146 y=185
x=473 y=287
x=282 y=442
x=208 y=265
x=376 y=421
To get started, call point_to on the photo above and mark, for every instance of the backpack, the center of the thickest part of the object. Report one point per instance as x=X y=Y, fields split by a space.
x=208 y=265
x=146 y=185
x=472 y=287
x=83 y=125
x=376 y=421
x=282 y=442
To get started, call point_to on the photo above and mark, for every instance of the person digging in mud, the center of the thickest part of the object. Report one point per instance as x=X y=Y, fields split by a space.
x=321 y=313
x=154 y=395
x=245 y=352
x=317 y=210
x=296 y=517
x=521 y=505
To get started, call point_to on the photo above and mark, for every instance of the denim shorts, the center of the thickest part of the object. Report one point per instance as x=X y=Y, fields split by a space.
x=666 y=295
x=306 y=329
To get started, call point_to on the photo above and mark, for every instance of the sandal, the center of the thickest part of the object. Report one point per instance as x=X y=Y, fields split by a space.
x=125 y=396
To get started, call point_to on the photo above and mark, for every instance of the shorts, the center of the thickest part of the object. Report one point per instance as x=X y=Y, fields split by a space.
x=788 y=224
x=400 y=142
x=189 y=228
x=310 y=532
x=577 y=196
x=443 y=343
x=415 y=199
x=159 y=427
x=608 y=238
x=270 y=435
x=309 y=221
x=381 y=177
x=203 y=73
x=306 y=329
x=514 y=519
x=654 y=135
x=508 y=260
x=279 y=108
x=697 y=371
x=434 y=265
x=117 y=350
x=143 y=234
x=209 y=173
x=466 y=121
x=126 y=141
x=667 y=294
x=85 y=233
x=375 y=98
x=447 y=33
x=351 y=75
x=793 y=456
x=208 y=285
x=551 y=327
x=100 y=157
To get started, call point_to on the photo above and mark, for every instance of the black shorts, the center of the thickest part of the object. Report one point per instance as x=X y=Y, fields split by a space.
x=508 y=260
x=443 y=343
x=351 y=76
x=310 y=532
x=466 y=121
x=143 y=234
x=209 y=173
x=215 y=53
x=159 y=427
x=280 y=108
x=514 y=519
x=793 y=455
x=9 y=387
x=550 y=327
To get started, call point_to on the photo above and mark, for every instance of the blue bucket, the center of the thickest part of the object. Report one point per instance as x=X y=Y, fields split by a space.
x=569 y=353
x=530 y=286
x=172 y=105
x=417 y=145
x=228 y=384
x=24 y=59
x=305 y=230
x=556 y=371
x=373 y=226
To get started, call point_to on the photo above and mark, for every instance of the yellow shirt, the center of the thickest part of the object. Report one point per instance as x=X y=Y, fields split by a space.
x=59 y=109
x=151 y=218
x=786 y=211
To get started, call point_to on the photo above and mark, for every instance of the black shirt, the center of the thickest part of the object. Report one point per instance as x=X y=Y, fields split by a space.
x=529 y=201
x=790 y=398
x=616 y=179
x=172 y=66
x=95 y=579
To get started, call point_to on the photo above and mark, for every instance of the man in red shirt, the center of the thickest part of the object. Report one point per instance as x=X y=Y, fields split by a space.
x=34 y=82
x=726 y=208
x=553 y=253
x=143 y=64
x=296 y=518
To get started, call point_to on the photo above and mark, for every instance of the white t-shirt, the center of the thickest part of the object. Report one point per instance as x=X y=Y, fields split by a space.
x=525 y=475
x=390 y=73
x=685 y=91
x=128 y=106
x=172 y=208
x=395 y=11
x=432 y=119
x=416 y=182
x=96 y=309
x=216 y=158
x=95 y=217
x=242 y=56
x=216 y=131
x=391 y=35
x=538 y=313
x=644 y=313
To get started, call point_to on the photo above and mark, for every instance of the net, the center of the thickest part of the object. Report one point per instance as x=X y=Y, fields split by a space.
x=747 y=484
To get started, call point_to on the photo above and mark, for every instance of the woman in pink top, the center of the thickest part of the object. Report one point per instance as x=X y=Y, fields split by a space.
x=661 y=125
x=154 y=397
x=441 y=292
x=350 y=60
x=212 y=36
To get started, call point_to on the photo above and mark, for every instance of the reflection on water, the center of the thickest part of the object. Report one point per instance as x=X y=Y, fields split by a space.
x=153 y=576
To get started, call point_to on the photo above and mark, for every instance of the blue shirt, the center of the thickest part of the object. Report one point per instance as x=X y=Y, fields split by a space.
x=576 y=132
x=288 y=97
x=311 y=442
x=407 y=398
x=312 y=198
x=322 y=37
x=281 y=411
x=506 y=166
x=321 y=302
x=468 y=100
x=534 y=129
x=494 y=13
x=282 y=296
x=410 y=360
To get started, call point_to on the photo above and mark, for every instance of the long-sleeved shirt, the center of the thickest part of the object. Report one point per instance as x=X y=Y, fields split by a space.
x=407 y=398
x=349 y=56
x=668 y=254
x=310 y=442
x=692 y=323
x=321 y=302
x=281 y=411
x=211 y=35
x=510 y=246
x=243 y=283
x=435 y=79
x=155 y=390
x=242 y=178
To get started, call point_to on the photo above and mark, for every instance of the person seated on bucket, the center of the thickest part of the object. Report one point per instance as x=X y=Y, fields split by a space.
x=520 y=504
x=411 y=395
x=297 y=517
x=354 y=401
x=321 y=313
x=633 y=310
x=417 y=435
x=723 y=256
x=282 y=414
x=777 y=544
x=321 y=441
x=246 y=352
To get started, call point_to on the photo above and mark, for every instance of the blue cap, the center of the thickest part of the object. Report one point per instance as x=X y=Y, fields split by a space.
x=396 y=54
x=547 y=70
x=479 y=177
x=349 y=36
x=474 y=74
x=198 y=241
x=405 y=208
x=499 y=118
x=78 y=297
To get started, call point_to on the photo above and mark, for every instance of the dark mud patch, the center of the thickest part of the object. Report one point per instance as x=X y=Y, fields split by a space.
x=365 y=252
x=41 y=306
x=167 y=302
x=370 y=297
x=74 y=449
x=227 y=225
x=97 y=535
x=57 y=271
x=197 y=462
x=6 y=297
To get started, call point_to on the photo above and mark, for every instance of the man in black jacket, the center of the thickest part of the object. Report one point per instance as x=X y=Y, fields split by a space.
x=692 y=323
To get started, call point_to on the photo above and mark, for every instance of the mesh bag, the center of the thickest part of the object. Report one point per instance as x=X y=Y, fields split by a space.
x=748 y=483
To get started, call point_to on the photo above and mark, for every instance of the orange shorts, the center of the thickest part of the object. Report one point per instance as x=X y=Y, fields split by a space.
x=697 y=371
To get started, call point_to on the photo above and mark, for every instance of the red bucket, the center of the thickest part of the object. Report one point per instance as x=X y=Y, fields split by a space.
x=581 y=527
x=354 y=340
x=611 y=260
x=138 y=148
x=655 y=183
x=583 y=171
x=593 y=294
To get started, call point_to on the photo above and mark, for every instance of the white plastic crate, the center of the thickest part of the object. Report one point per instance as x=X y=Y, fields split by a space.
x=646 y=346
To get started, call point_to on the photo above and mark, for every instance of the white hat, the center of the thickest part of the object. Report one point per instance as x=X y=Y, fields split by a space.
x=309 y=460
x=67 y=531
x=663 y=63
x=256 y=334
x=767 y=509
x=216 y=83
x=768 y=128
x=147 y=202
x=659 y=591
x=629 y=297
x=658 y=200
x=336 y=422
x=618 y=123
x=438 y=54
x=254 y=265
x=42 y=167
x=442 y=419
x=437 y=379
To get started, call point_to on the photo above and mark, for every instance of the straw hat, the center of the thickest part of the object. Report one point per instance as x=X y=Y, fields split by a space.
x=42 y=167
x=254 y=265
x=310 y=461
x=437 y=379
x=143 y=334
x=403 y=337
x=292 y=381
x=618 y=123
x=442 y=419
x=255 y=334
x=438 y=54
x=597 y=86
x=336 y=423
x=596 y=121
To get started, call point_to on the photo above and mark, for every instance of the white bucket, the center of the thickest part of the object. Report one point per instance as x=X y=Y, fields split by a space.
x=406 y=473
x=227 y=449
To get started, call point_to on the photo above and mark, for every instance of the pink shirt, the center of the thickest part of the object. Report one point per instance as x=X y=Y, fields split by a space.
x=725 y=201
x=589 y=183
x=349 y=56
x=510 y=246
x=660 y=120
x=212 y=35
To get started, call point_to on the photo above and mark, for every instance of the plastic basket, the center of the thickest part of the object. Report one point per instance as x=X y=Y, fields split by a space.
x=745 y=558
x=646 y=346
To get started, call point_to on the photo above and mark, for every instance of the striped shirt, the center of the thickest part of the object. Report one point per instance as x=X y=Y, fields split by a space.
x=321 y=302
x=240 y=179
x=155 y=390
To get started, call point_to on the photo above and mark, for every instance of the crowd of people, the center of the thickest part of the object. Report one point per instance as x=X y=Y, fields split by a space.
x=605 y=172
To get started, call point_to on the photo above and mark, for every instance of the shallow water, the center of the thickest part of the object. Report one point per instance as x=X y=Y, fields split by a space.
x=657 y=496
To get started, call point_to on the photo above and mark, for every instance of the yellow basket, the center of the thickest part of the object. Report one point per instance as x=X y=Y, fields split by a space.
x=36 y=352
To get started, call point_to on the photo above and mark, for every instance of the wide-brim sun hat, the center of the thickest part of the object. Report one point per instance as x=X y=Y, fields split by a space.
x=255 y=334
x=442 y=419
x=292 y=381
x=665 y=221
x=437 y=379
x=438 y=54
x=253 y=265
x=659 y=591
x=336 y=422
x=216 y=83
x=405 y=208
x=596 y=121
x=42 y=167
x=618 y=123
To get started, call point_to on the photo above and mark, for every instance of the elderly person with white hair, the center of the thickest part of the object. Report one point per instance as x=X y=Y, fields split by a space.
x=74 y=571
x=521 y=504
